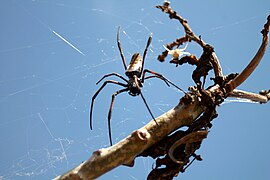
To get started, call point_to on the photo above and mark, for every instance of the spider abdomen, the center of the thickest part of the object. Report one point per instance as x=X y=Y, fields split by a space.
x=135 y=66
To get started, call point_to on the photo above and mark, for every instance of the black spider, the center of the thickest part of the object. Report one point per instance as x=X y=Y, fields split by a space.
x=134 y=83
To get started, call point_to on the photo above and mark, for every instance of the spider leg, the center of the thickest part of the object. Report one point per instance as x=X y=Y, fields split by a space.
x=120 y=48
x=110 y=111
x=160 y=77
x=113 y=74
x=97 y=92
x=154 y=76
x=146 y=48
x=148 y=108
x=138 y=82
x=184 y=47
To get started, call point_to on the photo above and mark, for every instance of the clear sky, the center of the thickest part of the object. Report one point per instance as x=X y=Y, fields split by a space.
x=52 y=52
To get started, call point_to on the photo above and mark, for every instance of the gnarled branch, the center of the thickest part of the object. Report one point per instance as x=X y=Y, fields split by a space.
x=190 y=36
x=195 y=110
x=126 y=150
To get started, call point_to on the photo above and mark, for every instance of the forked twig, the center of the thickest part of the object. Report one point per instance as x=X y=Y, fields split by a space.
x=190 y=36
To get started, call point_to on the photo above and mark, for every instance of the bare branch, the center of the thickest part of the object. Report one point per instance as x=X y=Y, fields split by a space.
x=260 y=98
x=126 y=150
x=230 y=86
x=195 y=110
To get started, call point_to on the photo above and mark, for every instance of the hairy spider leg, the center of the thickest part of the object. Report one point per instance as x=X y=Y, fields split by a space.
x=120 y=49
x=110 y=111
x=146 y=48
x=97 y=92
x=157 y=75
x=113 y=74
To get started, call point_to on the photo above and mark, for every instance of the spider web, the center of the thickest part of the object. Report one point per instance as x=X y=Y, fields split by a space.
x=52 y=54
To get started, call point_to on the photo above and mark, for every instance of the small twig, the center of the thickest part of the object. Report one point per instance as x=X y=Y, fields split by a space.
x=189 y=36
x=231 y=85
x=260 y=98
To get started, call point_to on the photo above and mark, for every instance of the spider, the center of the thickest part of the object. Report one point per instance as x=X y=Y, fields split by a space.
x=133 y=83
x=176 y=53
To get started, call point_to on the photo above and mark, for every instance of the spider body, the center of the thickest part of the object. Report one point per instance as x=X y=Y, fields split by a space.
x=133 y=83
x=135 y=66
x=177 y=53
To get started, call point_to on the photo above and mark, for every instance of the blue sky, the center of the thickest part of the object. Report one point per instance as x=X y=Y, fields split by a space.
x=52 y=52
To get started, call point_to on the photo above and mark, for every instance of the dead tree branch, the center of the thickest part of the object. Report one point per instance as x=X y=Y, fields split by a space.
x=196 y=110
x=262 y=97
x=125 y=151
x=253 y=63
x=190 y=36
